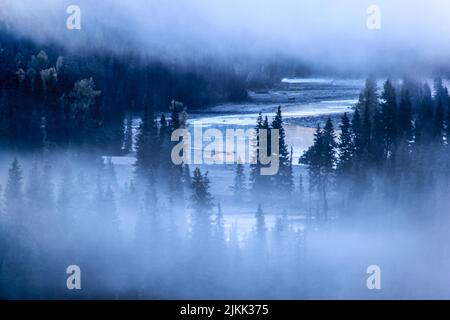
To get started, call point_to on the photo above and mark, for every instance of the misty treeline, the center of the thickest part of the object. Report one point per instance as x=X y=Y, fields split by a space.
x=387 y=160
x=162 y=233
x=54 y=97
x=391 y=159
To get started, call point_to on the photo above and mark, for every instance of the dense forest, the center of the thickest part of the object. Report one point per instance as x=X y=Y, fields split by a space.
x=393 y=151
x=54 y=97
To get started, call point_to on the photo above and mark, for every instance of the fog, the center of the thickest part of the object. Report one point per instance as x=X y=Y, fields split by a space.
x=87 y=177
x=129 y=251
x=327 y=35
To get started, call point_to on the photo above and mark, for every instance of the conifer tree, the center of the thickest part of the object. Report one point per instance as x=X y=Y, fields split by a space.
x=201 y=199
x=147 y=152
x=345 y=147
x=356 y=127
x=321 y=160
x=239 y=182
x=388 y=117
x=438 y=123
x=329 y=148
x=283 y=179
x=405 y=116
x=379 y=149
x=447 y=125
x=313 y=159
x=256 y=179
x=219 y=227
x=368 y=99
x=424 y=122
x=301 y=189
x=13 y=191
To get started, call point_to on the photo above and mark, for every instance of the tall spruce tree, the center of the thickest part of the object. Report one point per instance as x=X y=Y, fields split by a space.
x=356 y=128
x=313 y=159
x=379 y=149
x=256 y=179
x=346 y=148
x=201 y=199
x=424 y=122
x=14 y=191
x=368 y=99
x=239 y=182
x=447 y=125
x=404 y=116
x=321 y=160
x=283 y=179
x=389 y=117
x=329 y=148
x=438 y=123
x=147 y=151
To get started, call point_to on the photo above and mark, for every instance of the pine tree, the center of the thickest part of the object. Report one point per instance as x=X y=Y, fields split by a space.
x=219 y=232
x=405 y=116
x=147 y=151
x=367 y=129
x=313 y=159
x=201 y=199
x=175 y=108
x=438 y=123
x=283 y=179
x=329 y=148
x=361 y=154
x=424 y=122
x=447 y=125
x=368 y=99
x=356 y=127
x=321 y=160
x=163 y=126
x=179 y=179
x=346 y=148
x=290 y=185
x=13 y=191
x=256 y=178
x=164 y=140
x=379 y=149
x=388 y=117
x=301 y=189
x=441 y=92
x=239 y=182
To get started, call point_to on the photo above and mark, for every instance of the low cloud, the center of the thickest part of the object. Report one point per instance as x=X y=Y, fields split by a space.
x=324 y=33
